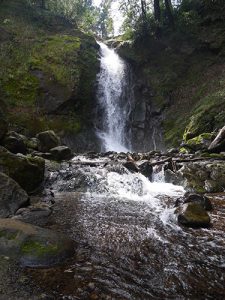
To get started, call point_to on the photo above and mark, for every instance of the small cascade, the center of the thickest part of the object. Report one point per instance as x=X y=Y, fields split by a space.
x=158 y=174
x=114 y=99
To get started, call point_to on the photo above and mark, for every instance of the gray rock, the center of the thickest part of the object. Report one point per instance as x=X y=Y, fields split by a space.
x=33 y=246
x=12 y=196
x=15 y=143
x=61 y=153
x=146 y=169
x=47 y=140
x=36 y=214
x=27 y=171
x=193 y=215
x=173 y=177
x=218 y=144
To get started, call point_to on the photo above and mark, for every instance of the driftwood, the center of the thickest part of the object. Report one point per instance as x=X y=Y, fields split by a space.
x=161 y=162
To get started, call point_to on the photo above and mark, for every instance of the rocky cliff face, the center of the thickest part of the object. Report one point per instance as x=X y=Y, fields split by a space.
x=179 y=84
x=145 y=118
x=48 y=72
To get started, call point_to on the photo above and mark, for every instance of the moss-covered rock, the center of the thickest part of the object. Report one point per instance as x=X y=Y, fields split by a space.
x=202 y=177
x=33 y=246
x=47 y=140
x=200 y=142
x=193 y=215
x=207 y=114
x=27 y=171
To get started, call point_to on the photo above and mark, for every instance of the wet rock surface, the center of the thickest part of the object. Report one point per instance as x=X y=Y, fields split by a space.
x=12 y=196
x=33 y=246
x=193 y=215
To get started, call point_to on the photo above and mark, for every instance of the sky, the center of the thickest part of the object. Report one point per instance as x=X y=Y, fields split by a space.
x=115 y=14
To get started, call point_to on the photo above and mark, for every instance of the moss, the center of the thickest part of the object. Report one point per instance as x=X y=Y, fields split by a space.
x=31 y=123
x=8 y=235
x=57 y=56
x=173 y=130
x=183 y=150
x=40 y=52
x=207 y=115
x=199 y=142
x=216 y=155
x=39 y=249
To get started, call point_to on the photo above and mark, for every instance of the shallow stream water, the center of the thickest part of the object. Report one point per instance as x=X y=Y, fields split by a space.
x=128 y=242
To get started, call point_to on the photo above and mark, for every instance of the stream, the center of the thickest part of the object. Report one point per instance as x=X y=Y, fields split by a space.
x=128 y=242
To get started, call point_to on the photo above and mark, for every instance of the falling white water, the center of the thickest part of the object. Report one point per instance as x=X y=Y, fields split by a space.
x=111 y=98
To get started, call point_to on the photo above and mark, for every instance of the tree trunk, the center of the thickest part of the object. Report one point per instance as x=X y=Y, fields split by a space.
x=169 y=12
x=143 y=10
x=43 y=4
x=157 y=15
x=157 y=11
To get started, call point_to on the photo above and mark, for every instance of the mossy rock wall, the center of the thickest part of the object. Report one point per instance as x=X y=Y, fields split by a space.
x=48 y=70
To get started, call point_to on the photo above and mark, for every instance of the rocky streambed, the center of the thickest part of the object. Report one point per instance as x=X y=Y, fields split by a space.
x=118 y=226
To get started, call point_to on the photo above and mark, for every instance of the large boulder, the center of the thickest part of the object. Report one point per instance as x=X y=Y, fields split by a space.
x=15 y=142
x=218 y=144
x=33 y=246
x=47 y=140
x=193 y=215
x=12 y=196
x=200 y=142
x=27 y=171
x=61 y=153
x=205 y=176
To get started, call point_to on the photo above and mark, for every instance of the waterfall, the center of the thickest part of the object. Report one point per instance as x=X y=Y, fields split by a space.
x=114 y=98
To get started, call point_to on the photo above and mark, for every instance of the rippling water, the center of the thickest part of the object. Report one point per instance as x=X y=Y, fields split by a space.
x=129 y=245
